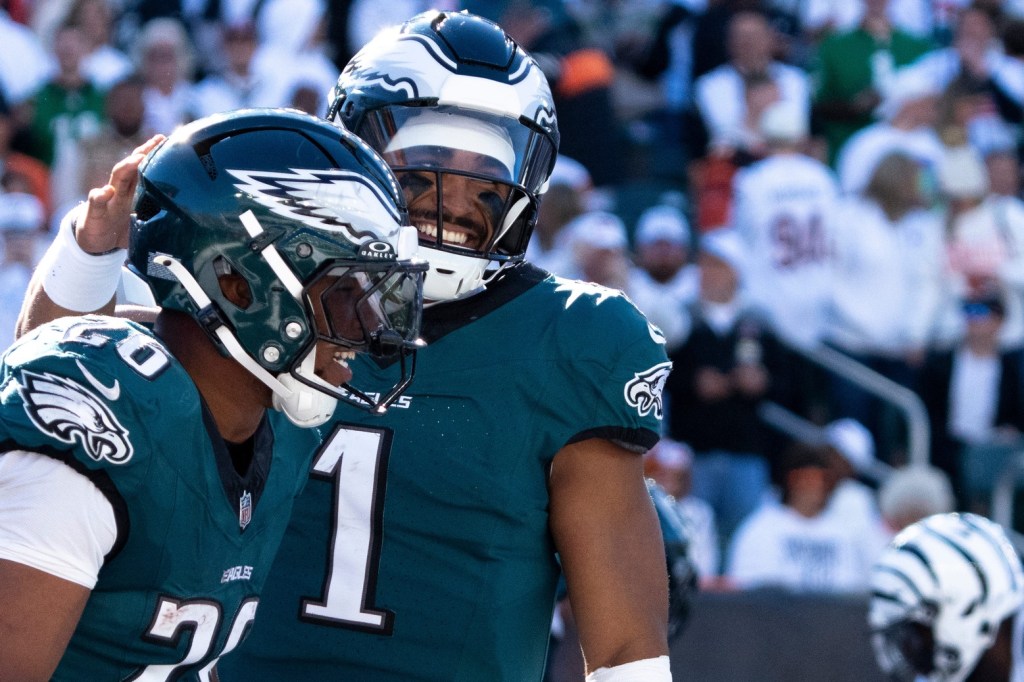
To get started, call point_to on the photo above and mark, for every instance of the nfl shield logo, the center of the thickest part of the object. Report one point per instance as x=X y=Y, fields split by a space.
x=245 y=509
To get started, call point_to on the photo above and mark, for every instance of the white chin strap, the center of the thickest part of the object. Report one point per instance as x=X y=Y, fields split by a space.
x=451 y=275
x=303 y=405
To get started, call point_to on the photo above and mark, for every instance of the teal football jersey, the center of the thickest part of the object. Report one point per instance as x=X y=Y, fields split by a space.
x=420 y=549
x=195 y=540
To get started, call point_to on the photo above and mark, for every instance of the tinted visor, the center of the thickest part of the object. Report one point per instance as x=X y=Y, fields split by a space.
x=375 y=308
x=473 y=174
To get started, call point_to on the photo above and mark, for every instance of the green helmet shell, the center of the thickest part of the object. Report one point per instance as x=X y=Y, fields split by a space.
x=319 y=197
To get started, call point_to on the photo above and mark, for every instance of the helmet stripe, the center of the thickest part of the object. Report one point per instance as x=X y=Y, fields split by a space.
x=971 y=560
x=1000 y=551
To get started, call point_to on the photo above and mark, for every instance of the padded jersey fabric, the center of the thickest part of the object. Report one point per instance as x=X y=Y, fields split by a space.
x=420 y=549
x=106 y=397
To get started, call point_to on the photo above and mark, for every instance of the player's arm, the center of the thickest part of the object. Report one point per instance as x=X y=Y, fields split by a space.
x=38 y=614
x=607 y=535
x=80 y=271
x=56 y=528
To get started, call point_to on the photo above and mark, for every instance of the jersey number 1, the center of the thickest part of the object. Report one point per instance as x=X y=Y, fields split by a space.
x=354 y=460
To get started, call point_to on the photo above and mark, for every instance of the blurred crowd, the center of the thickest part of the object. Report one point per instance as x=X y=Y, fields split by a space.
x=762 y=178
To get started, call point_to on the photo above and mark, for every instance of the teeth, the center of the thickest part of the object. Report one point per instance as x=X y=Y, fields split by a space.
x=343 y=356
x=456 y=238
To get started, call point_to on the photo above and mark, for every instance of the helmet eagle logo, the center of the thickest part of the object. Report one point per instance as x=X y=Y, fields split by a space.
x=319 y=198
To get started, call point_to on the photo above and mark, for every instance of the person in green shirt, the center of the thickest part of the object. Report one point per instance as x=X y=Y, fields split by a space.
x=69 y=107
x=852 y=70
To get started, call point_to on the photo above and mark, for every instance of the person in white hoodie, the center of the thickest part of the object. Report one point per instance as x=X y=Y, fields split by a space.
x=888 y=287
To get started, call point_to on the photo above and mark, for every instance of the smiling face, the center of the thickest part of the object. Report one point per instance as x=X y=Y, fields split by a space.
x=471 y=206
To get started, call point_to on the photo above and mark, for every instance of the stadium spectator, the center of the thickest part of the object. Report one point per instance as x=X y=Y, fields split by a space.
x=728 y=365
x=665 y=281
x=24 y=63
x=1003 y=165
x=850 y=455
x=908 y=115
x=164 y=56
x=122 y=132
x=888 y=288
x=21 y=223
x=800 y=544
x=720 y=94
x=103 y=64
x=782 y=209
x=68 y=107
x=670 y=464
x=976 y=54
x=912 y=493
x=292 y=49
x=235 y=86
x=599 y=246
x=975 y=400
x=854 y=67
x=31 y=171
x=567 y=197
x=984 y=240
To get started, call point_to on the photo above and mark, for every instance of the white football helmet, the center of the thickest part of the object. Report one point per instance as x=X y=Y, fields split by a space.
x=939 y=594
x=457 y=109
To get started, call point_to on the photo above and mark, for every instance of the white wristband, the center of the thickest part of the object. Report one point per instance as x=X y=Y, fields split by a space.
x=646 y=670
x=76 y=280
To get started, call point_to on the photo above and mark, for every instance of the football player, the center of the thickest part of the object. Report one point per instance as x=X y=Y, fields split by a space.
x=144 y=485
x=424 y=546
x=431 y=555
x=946 y=601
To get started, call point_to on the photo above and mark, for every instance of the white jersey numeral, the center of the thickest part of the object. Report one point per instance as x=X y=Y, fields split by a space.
x=354 y=459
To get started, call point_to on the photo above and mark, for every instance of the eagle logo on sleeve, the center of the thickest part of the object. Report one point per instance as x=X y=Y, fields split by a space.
x=68 y=411
x=644 y=390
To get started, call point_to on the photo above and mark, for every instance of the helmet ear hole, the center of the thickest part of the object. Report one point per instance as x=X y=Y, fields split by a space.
x=232 y=285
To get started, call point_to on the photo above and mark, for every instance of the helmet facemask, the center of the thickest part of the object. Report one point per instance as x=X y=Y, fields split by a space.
x=471 y=181
x=375 y=309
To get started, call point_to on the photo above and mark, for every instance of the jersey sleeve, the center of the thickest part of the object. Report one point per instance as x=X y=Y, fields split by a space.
x=614 y=372
x=53 y=518
x=77 y=391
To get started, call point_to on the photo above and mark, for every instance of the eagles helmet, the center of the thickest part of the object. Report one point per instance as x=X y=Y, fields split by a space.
x=682 y=574
x=939 y=594
x=465 y=119
x=313 y=221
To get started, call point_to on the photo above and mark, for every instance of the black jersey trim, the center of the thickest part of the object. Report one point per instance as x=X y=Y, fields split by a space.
x=640 y=439
x=444 y=318
x=99 y=478
x=258 y=472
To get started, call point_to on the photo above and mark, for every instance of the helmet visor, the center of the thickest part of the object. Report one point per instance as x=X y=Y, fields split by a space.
x=471 y=179
x=375 y=308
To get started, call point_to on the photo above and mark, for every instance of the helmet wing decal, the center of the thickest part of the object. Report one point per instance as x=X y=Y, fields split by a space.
x=318 y=198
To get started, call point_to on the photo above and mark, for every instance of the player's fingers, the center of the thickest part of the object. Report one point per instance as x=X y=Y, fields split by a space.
x=99 y=197
x=124 y=176
x=149 y=145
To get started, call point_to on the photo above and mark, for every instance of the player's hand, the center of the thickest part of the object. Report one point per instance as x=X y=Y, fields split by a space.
x=712 y=385
x=103 y=220
x=750 y=379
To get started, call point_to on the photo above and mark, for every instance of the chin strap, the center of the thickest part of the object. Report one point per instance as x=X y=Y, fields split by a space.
x=224 y=335
x=304 y=407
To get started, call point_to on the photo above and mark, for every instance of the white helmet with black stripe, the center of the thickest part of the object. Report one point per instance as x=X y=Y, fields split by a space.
x=939 y=594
